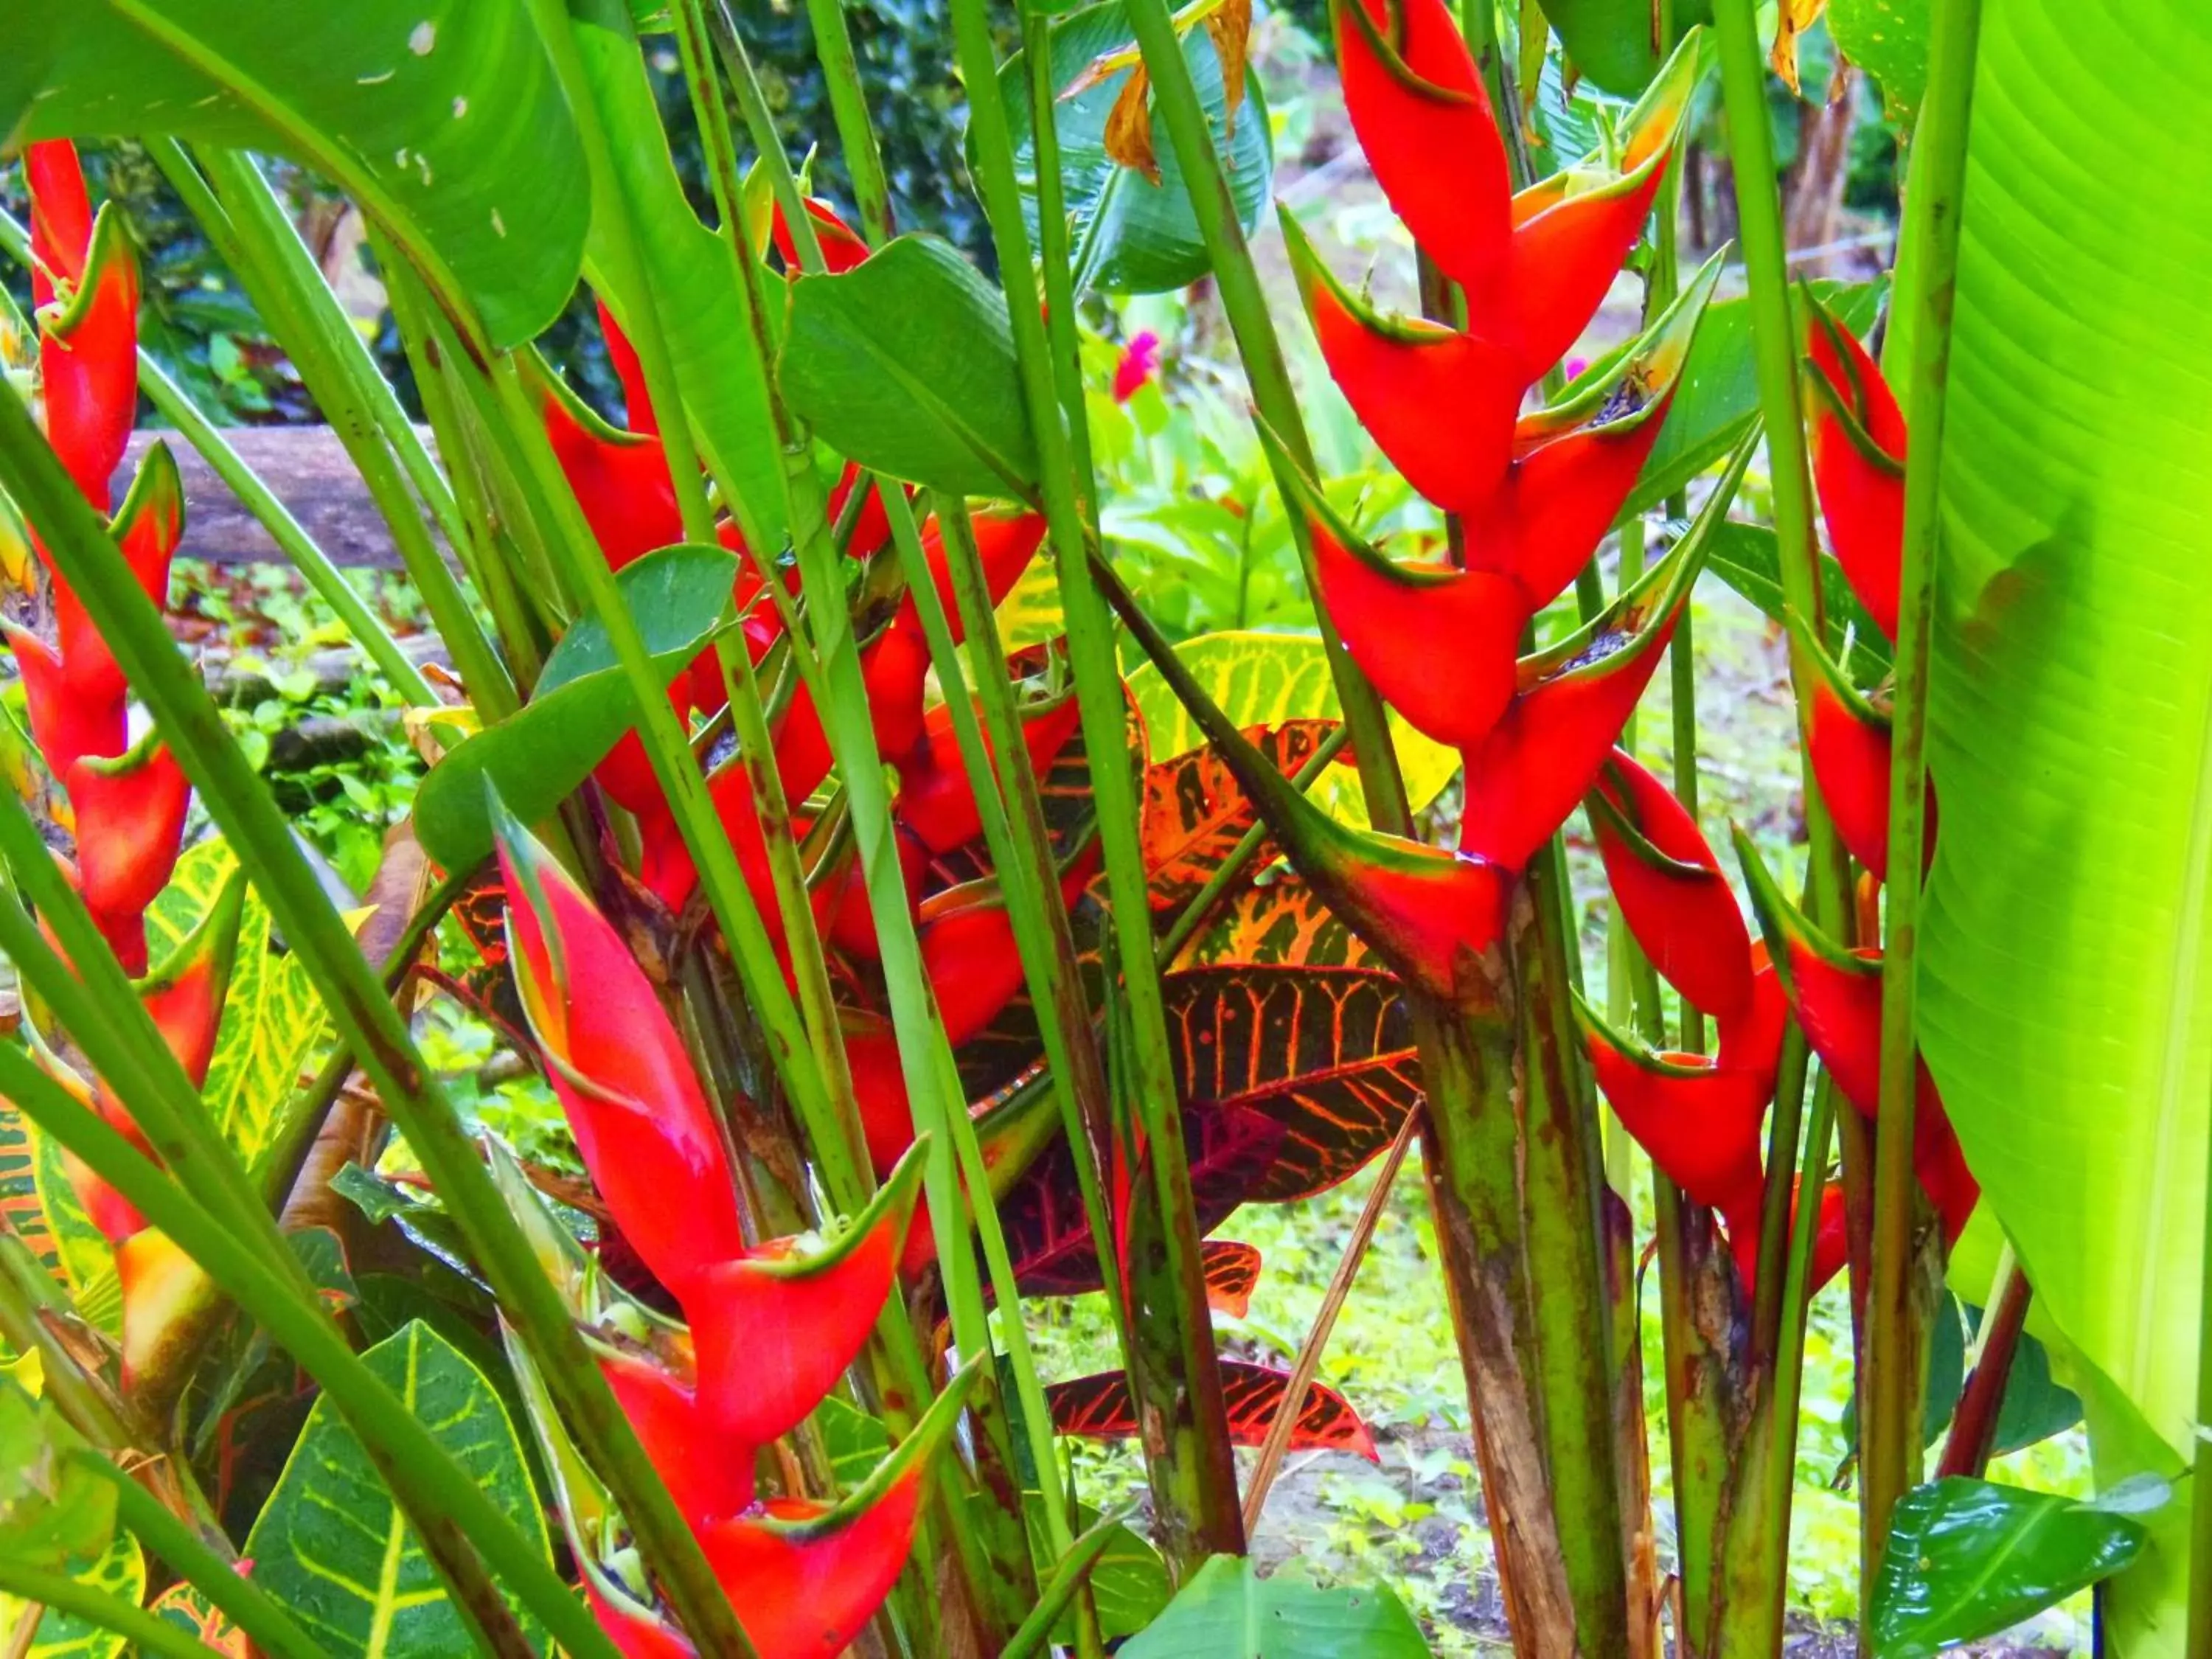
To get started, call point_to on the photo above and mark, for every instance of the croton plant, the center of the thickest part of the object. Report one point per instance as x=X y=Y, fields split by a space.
x=893 y=978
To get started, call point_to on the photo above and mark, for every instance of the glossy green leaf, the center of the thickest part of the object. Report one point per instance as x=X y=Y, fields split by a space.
x=121 y=1571
x=1749 y=559
x=333 y=1546
x=2066 y=965
x=1227 y=1608
x=1265 y=679
x=1717 y=397
x=582 y=705
x=906 y=364
x=1887 y=39
x=693 y=271
x=1967 y=1558
x=1610 y=41
x=1127 y=235
x=1128 y=1580
x=440 y=113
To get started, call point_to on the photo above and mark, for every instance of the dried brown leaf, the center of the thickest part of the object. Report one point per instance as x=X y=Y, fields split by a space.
x=1129 y=127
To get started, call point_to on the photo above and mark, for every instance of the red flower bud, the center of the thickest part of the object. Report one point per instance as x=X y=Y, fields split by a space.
x=937 y=800
x=1698 y=1119
x=841 y=246
x=1858 y=463
x=708 y=1478
x=89 y=353
x=1848 y=742
x=621 y=478
x=130 y=827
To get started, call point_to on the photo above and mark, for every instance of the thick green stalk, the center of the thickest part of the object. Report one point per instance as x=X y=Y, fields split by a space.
x=236 y=209
x=2200 y=1516
x=252 y=1609
x=449 y=1509
x=848 y=108
x=1177 y=1381
x=1891 y=1381
x=239 y=802
x=1775 y=348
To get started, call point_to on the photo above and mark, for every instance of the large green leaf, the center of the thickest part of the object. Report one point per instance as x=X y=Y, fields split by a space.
x=2066 y=967
x=693 y=271
x=906 y=364
x=1130 y=235
x=441 y=116
x=1967 y=1558
x=1228 y=1609
x=334 y=1548
x=1717 y=400
x=582 y=705
x=1747 y=558
x=1265 y=679
x=1887 y=39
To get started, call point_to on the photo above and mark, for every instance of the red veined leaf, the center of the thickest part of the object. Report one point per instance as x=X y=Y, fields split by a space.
x=1100 y=1408
x=1232 y=1270
x=1572 y=702
x=190 y=1610
x=642 y=1125
x=1419 y=110
x=1668 y=884
x=1327 y=1054
x=1195 y=811
x=1439 y=403
x=1858 y=442
x=1279 y=921
x=130 y=827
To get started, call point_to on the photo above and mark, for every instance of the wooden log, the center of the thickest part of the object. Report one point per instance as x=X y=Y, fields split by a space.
x=308 y=470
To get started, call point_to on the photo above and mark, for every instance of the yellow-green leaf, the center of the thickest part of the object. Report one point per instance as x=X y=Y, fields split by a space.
x=121 y=1573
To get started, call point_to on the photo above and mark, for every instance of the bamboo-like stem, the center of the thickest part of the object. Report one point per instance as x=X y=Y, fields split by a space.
x=1177 y=1379
x=848 y=109
x=227 y=194
x=1974 y=1422
x=236 y=799
x=1775 y=351
x=1324 y=1323
x=450 y=1511
x=264 y=1619
x=1891 y=1418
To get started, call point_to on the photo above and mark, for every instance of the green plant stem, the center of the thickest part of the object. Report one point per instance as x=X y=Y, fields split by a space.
x=233 y=204
x=1177 y=1382
x=1988 y=1367
x=239 y=804
x=2200 y=1499
x=848 y=108
x=29 y=1294
x=1891 y=1380
x=63 y=1594
x=449 y=1510
x=252 y=1609
x=1775 y=351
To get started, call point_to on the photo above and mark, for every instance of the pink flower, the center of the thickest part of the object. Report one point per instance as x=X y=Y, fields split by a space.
x=1139 y=358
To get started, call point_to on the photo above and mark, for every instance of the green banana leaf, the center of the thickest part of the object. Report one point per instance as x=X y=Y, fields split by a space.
x=2066 y=970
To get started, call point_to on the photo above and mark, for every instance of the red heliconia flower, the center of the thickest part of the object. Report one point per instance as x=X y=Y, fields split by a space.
x=1669 y=887
x=842 y=247
x=852 y=924
x=936 y=801
x=708 y=1479
x=1847 y=739
x=147 y=527
x=637 y=401
x=1568 y=707
x=130 y=825
x=1698 y=1119
x=1836 y=995
x=64 y=727
x=1831 y=1240
x=1858 y=440
x=642 y=1125
x=621 y=478
x=88 y=344
x=774 y=1328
